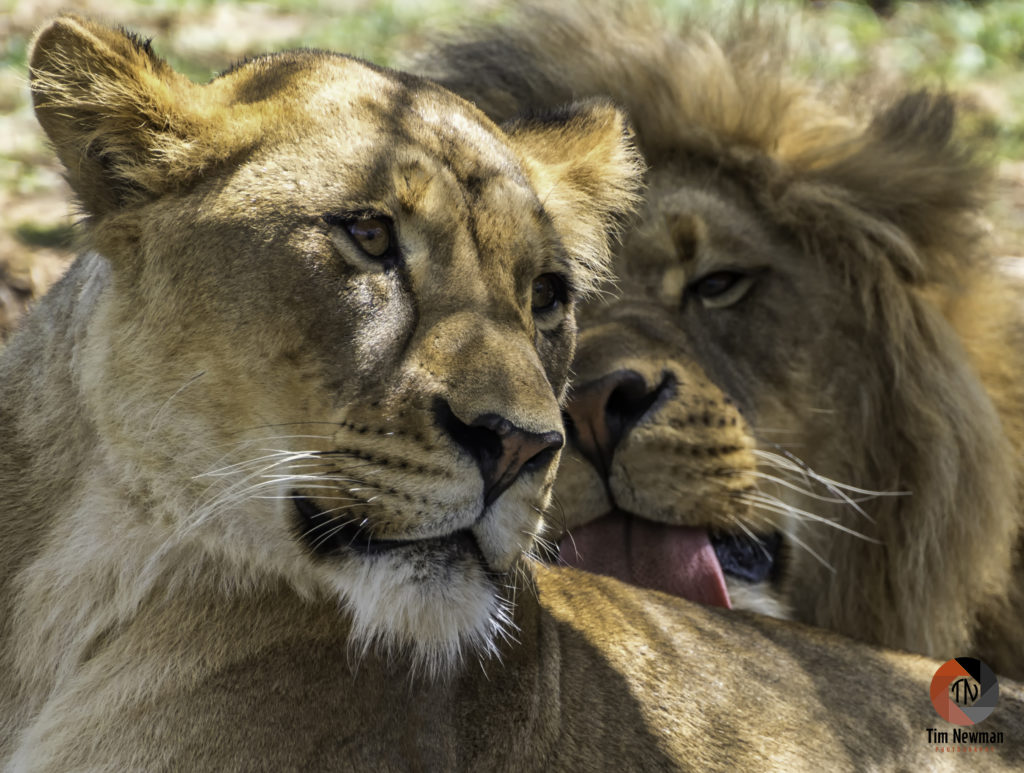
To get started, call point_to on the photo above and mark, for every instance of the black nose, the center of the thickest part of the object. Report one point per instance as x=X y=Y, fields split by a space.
x=603 y=411
x=502 y=451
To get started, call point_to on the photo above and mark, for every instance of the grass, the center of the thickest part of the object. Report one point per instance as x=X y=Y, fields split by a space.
x=974 y=49
x=34 y=234
x=953 y=43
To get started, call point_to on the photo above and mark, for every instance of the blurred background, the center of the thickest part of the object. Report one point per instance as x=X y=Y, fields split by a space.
x=974 y=48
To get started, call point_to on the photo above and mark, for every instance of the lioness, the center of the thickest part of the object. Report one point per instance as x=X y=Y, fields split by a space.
x=272 y=454
x=807 y=337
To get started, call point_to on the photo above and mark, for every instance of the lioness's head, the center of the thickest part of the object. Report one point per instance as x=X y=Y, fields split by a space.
x=333 y=314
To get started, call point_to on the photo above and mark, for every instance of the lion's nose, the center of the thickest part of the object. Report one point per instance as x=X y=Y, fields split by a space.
x=603 y=411
x=502 y=450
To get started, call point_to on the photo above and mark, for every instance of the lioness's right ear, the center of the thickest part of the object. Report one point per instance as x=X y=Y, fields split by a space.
x=125 y=125
x=587 y=172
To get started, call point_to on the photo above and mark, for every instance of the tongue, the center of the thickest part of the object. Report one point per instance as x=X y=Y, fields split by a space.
x=672 y=559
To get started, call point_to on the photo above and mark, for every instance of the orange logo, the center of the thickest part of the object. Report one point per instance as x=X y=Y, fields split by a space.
x=964 y=691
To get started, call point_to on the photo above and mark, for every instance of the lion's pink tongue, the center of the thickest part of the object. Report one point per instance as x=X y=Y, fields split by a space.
x=673 y=559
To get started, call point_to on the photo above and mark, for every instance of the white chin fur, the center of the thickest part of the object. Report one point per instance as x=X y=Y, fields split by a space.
x=436 y=612
x=757 y=597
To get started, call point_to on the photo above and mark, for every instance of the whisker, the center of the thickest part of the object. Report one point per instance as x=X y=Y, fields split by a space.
x=236 y=446
x=550 y=547
x=265 y=463
x=319 y=498
x=156 y=416
x=330 y=534
x=791 y=462
x=774 y=505
x=307 y=423
x=245 y=488
x=560 y=508
x=280 y=457
x=812 y=495
x=788 y=462
x=318 y=478
x=812 y=551
x=359 y=531
x=749 y=533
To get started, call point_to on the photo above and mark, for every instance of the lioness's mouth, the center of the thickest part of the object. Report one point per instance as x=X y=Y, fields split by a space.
x=326 y=533
x=683 y=561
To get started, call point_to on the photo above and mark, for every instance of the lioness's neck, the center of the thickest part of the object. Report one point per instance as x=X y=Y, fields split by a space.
x=48 y=445
x=51 y=466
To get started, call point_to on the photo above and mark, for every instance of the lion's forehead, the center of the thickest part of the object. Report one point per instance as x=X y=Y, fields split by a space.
x=688 y=231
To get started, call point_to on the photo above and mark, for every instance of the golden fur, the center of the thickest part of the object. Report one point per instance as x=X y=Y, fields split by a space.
x=243 y=348
x=856 y=387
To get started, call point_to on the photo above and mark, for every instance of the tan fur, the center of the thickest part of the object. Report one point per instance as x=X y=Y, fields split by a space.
x=224 y=352
x=876 y=343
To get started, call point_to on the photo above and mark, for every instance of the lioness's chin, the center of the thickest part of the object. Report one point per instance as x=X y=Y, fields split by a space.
x=433 y=601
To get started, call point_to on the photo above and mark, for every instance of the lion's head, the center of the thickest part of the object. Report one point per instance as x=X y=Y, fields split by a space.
x=322 y=331
x=806 y=339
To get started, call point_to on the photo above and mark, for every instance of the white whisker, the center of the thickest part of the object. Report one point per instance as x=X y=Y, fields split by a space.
x=333 y=531
x=292 y=497
x=812 y=495
x=770 y=503
x=749 y=533
x=167 y=402
x=791 y=462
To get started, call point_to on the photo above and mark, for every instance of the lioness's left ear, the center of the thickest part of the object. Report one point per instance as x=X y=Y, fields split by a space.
x=587 y=173
x=126 y=126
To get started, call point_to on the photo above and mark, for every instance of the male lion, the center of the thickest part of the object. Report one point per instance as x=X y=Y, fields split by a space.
x=807 y=337
x=273 y=451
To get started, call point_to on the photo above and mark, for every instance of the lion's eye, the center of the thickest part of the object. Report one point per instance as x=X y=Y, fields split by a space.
x=372 y=234
x=721 y=288
x=548 y=292
x=716 y=284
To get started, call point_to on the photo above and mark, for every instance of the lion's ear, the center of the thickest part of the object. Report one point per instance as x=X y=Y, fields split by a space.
x=934 y=180
x=124 y=124
x=907 y=186
x=587 y=173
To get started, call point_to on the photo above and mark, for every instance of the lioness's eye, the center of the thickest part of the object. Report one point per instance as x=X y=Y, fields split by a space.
x=548 y=291
x=365 y=236
x=372 y=234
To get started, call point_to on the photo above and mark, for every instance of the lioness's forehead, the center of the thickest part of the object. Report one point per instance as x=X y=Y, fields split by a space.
x=295 y=93
x=342 y=138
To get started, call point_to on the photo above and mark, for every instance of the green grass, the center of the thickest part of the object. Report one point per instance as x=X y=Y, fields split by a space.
x=60 y=235
x=975 y=48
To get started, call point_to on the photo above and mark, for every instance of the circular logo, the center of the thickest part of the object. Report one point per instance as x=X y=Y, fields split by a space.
x=964 y=691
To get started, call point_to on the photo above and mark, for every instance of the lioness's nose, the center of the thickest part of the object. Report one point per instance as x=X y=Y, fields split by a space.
x=606 y=409
x=501 y=450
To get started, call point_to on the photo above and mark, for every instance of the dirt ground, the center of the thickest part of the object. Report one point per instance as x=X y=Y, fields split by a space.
x=1008 y=209
x=36 y=211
